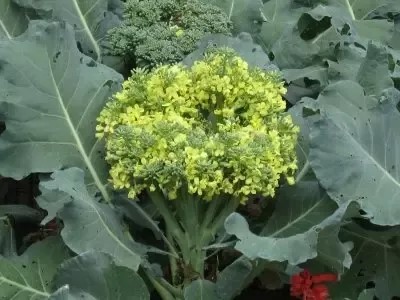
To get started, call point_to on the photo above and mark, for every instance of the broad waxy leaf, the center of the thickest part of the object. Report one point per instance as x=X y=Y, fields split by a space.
x=53 y=202
x=91 y=19
x=315 y=72
x=22 y=213
x=292 y=52
x=291 y=233
x=376 y=259
x=370 y=69
x=94 y=275
x=50 y=96
x=243 y=45
x=63 y=294
x=13 y=20
x=358 y=15
x=367 y=294
x=90 y=225
x=302 y=149
x=201 y=290
x=354 y=151
x=29 y=276
x=347 y=64
x=245 y=15
x=373 y=74
x=231 y=281
x=279 y=15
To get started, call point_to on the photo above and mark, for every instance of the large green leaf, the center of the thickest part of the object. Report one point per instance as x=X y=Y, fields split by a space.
x=346 y=64
x=373 y=74
x=354 y=150
x=29 y=276
x=100 y=228
x=316 y=72
x=245 y=15
x=302 y=150
x=370 y=69
x=50 y=96
x=292 y=52
x=359 y=16
x=13 y=20
x=243 y=44
x=279 y=15
x=292 y=232
x=95 y=275
x=21 y=213
x=376 y=257
x=233 y=279
x=201 y=290
x=91 y=19
x=367 y=294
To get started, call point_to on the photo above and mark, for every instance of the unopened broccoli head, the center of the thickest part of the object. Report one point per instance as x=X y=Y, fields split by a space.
x=164 y=31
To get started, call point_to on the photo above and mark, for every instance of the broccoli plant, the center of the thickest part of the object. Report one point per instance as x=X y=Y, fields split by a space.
x=199 y=141
x=165 y=31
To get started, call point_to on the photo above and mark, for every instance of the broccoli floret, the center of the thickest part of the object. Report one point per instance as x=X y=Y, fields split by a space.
x=164 y=31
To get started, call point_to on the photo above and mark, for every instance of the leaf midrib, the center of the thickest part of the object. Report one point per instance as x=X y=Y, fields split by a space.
x=87 y=29
x=5 y=30
x=3 y=26
x=76 y=137
x=370 y=157
x=294 y=221
x=23 y=287
x=231 y=9
x=113 y=236
x=350 y=9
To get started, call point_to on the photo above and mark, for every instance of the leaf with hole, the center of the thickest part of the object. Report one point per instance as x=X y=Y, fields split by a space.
x=354 y=150
x=50 y=96
x=100 y=227
x=91 y=19
x=30 y=275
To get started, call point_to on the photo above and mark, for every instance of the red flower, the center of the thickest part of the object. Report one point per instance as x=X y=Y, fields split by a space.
x=310 y=287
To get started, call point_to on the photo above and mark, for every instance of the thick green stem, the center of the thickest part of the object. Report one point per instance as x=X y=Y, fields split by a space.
x=172 y=261
x=218 y=221
x=162 y=291
x=211 y=211
x=159 y=201
x=190 y=233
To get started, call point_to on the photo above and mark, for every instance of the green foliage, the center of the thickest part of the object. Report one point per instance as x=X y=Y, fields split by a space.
x=95 y=275
x=303 y=212
x=30 y=275
x=243 y=45
x=360 y=128
x=13 y=20
x=245 y=15
x=44 y=271
x=375 y=259
x=201 y=290
x=50 y=95
x=165 y=31
x=85 y=215
x=91 y=19
x=341 y=63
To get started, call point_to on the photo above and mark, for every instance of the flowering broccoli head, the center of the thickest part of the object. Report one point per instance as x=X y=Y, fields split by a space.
x=216 y=128
x=165 y=31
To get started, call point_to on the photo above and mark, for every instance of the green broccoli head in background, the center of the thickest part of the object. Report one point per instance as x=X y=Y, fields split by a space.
x=165 y=31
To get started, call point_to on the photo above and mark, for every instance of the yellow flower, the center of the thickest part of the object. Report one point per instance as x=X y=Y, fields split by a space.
x=219 y=127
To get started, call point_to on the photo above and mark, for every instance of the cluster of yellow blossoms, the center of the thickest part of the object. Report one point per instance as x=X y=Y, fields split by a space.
x=218 y=127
